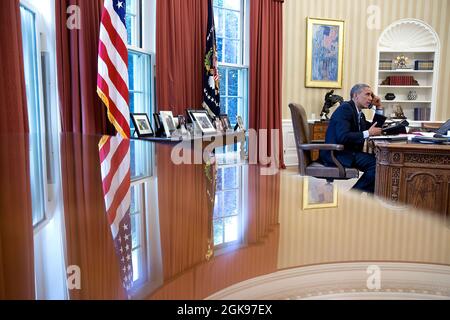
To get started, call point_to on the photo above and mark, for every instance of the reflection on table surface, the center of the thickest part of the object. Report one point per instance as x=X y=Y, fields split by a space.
x=256 y=227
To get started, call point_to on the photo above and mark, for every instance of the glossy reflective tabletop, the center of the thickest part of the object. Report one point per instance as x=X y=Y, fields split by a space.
x=203 y=233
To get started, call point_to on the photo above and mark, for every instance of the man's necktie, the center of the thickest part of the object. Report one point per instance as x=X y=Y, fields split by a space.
x=362 y=121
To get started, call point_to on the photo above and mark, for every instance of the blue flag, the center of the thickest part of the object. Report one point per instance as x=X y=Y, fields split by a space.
x=211 y=94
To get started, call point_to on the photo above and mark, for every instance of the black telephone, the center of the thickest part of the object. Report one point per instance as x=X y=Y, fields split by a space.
x=396 y=128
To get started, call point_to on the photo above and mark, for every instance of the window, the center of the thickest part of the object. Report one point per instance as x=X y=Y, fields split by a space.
x=228 y=212
x=140 y=85
x=141 y=89
x=231 y=23
x=133 y=21
x=35 y=114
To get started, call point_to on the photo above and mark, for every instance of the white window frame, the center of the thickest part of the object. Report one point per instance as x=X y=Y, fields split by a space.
x=40 y=35
x=245 y=55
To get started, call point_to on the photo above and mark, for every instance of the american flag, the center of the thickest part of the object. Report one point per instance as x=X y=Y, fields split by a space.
x=112 y=78
x=112 y=87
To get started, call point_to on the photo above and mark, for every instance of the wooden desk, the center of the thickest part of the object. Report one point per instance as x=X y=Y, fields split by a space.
x=415 y=174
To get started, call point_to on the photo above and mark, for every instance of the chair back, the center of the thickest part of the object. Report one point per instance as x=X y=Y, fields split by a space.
x=301 y=133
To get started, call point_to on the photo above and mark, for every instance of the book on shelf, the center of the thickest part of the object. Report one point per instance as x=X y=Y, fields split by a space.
x=424 y=65
x=422 y=114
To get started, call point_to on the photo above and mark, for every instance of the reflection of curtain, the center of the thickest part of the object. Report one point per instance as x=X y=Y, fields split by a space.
x=266 y=44
x=16 y=226
x=89 y=242
x=77 y=51
x=13 y=101
x=183 y=213
x=181 y=39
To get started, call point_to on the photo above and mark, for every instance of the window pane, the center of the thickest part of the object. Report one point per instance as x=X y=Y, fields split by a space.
x=220 y=55
x=231 y=229
x=136 y=256
x=223 y=81
x=233 y=81
x=140 y=76
x=132 y=23
x=219 y=22
x=218 y=231
x=228 y=4
x=136 y=227
x=34 y=118
x=232 y=26
x=232 y=51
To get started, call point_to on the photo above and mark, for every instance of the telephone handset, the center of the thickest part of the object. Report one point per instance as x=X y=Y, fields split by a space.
x=396 y=128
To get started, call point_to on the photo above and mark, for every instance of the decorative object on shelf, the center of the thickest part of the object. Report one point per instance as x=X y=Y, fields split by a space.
x=385 y=65
x=401 y=62
x=142 y=125
x=412 y=95
x=324 y=53
x=424 y=65
x=330 y=100
x=389 y=96
x=398 y=112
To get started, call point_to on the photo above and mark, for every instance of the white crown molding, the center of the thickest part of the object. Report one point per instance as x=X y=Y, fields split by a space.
x=345 y=281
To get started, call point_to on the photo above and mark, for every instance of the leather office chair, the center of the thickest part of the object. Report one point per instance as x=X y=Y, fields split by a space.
x=306 y=166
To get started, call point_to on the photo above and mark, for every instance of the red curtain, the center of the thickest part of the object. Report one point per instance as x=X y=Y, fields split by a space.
x=89 y=242
x=16 y=226
x=13 y=100
x=180 y=40
x=266 y=52
x=76 y=51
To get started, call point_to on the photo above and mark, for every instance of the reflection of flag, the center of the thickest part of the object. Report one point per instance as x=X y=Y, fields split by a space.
x=112 y=87
x=211 y=95
x=115 y=165
x=112 y=78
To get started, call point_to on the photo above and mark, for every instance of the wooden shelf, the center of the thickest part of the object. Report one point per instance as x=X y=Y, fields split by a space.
x=408 y=87
x=405 y=101
x=405 y=71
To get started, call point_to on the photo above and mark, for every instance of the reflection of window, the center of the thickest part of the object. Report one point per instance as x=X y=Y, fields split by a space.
x=139 y=251
x=231 y=17
x=228 y=212
x=35 y=113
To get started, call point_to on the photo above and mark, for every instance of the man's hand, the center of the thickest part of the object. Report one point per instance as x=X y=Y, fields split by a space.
x=376 y=101
x=374 y=131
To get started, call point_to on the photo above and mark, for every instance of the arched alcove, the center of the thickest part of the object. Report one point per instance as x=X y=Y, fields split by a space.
x=417 y=41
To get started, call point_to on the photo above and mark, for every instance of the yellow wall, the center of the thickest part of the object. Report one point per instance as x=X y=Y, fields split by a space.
x=360 y=45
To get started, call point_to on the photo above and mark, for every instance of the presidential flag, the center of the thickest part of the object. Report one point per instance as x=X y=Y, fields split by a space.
x=211 y=94
x=112 y=88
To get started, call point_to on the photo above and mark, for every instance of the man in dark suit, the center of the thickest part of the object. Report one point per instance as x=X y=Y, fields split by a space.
x=348 y=126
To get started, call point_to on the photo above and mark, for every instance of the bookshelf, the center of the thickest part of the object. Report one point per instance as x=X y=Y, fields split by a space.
x=407 y=66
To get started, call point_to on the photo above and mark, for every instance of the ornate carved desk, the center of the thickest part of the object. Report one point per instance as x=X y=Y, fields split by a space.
x=414 y=174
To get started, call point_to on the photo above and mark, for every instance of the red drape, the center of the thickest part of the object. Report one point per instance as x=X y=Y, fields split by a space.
x=266 y=52
x=13 y=100
x=180 y=40
x=88 y=236
x=77 y=51
x=16 y=226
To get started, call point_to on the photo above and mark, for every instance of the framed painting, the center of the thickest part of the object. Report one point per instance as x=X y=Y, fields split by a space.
x=324 y=53
x=318 y=193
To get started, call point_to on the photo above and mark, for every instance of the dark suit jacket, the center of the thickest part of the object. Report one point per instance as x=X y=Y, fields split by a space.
x=344 y=129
